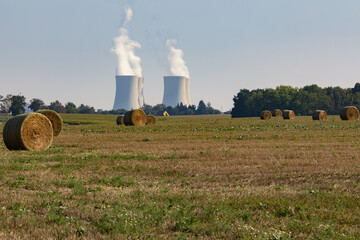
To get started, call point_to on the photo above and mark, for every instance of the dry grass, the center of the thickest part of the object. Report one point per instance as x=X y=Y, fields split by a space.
x=186 y=177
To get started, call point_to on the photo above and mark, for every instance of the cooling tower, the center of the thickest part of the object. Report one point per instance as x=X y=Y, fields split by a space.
x=127 y=93
x=141 y=91
x=175 y=90
x=188 y=96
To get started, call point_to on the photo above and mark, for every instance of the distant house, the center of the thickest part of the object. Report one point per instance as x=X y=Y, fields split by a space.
x=162 y=113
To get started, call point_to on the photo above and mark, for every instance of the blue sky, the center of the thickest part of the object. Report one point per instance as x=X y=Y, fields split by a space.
x=60 y=50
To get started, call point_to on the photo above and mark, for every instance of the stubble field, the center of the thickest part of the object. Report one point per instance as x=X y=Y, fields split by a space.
x=207 y=177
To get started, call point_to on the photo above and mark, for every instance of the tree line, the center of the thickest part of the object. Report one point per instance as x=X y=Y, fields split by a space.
x=15 y=104
x=303 y=101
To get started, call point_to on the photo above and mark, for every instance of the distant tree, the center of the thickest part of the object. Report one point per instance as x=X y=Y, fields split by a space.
x=212 y=110
x=17 y=105
x=302 y=100
x=70 y=107
x=192 y=108
x=181 y=109
x=57 y=107
x=85 y=109
x=147 y=109
x=36 y=104
x=5 y=103
x=157 y=108
x=356 y=88
x=170 y=110
x=118 y=111
x=201 y=109
x=240 y=108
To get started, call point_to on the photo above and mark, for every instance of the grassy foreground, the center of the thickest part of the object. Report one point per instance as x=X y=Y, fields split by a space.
x=209 y=177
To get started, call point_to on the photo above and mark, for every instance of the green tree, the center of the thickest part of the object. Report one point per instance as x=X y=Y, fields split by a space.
x=70 y=107
x=147 y=109
x=170 y=110
x=5 y=103
x=120 y=111
x=157 y=108
x=36 y=104
x=241 y=107
x=201 y=109
x=57 y=107
x=85 y=109
x=17 y=105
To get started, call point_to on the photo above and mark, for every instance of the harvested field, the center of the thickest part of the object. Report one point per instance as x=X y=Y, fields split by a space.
x=209 y=177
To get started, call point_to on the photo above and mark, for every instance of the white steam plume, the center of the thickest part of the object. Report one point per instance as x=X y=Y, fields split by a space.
x=124 y=48
x=177 y=64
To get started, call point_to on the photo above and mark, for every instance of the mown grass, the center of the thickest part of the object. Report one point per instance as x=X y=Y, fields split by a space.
x=184 y=178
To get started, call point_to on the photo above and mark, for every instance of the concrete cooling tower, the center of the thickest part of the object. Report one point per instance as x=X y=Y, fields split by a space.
x=176 y=90
x=141 y=91
x=188 y=97
x=127 y=92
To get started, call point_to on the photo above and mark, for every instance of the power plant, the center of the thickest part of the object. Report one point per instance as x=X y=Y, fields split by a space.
x=129 y=81
x=176 y=91
x=129 y=92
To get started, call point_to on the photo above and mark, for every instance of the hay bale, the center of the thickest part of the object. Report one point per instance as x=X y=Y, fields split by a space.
x=265 y=115
x=55 y=119
x=349 y=113
x=277 y=113
x=150 y=120
x=135 y=117
x=319 y=115
x=31 y=132
x=289 y=114
x=120 y=120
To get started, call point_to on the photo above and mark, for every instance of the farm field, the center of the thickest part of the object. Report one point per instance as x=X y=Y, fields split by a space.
x=207 y=177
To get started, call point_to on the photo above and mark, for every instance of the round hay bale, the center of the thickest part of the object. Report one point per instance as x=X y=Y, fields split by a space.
x=150 y=120
x=55 y=119
x=265 y=115
x=135 y=117
x=277 y=113
x=31 y=132
x=349 y=113
x=289 y=114
x=120 y=120
x=319 y=115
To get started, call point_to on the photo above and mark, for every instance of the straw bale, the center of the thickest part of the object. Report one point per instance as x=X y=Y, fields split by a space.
x=31 y=132
x=319 y=115
x=349 y=113
x=277 y=113
x=55 y=119
x=120 y=120
x=151 y=119
x=135 y=117
x=265 y=115
x=289 y=114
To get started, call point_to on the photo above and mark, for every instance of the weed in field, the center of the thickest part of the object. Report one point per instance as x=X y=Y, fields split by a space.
x=118 y=181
